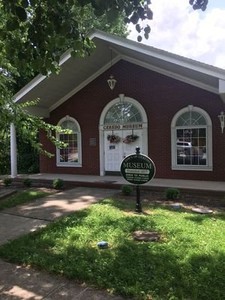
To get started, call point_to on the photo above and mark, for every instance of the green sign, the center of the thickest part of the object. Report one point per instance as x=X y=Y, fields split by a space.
x=137 y=168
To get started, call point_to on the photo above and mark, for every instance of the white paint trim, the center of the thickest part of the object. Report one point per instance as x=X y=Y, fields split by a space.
x=13 y=151
x=79 y=137
x=84 y=83
x=209 y=142
x=139 y=63
x=39 y=78
x=171 y=74
x=101 y=131
x=160 y=54
x=27 y=88
x=139 y=48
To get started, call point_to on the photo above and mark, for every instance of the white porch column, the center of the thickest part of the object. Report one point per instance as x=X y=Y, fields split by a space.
x=13 y=150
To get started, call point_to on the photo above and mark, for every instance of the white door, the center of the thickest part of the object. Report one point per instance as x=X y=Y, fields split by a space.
x=118 y=144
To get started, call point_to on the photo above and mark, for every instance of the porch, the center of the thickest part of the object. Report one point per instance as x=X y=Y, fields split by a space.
x=115 y=182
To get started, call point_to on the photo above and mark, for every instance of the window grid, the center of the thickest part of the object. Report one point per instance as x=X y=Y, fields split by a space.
x=69 y=155
x=191 y=146
x=123 y=113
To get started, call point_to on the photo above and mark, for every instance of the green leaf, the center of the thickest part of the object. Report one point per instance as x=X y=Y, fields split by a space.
x=147 y=29
x=112 y=15
x=12 y=24
x=138 y=28
x=139 y=38
x=21 y=13
x=24 y=3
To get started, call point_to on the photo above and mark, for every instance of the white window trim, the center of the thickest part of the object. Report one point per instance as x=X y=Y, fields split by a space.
x=101 y=127
x=175 y=166
x=70 y=164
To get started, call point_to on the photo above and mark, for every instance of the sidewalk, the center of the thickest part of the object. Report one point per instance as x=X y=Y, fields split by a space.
x=21 y=283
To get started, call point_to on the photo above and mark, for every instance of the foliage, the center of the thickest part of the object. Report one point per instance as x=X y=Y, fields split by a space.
x=21 y=198
x=58 y=184
x=130 y=138
x=113 y=139
x=7 y=181
x=199 y=4
x=172 y=194
x=4 y=155
x=34 y=34
x=27 y=182
x=180 y=266
x=40 y=32
x=127 y=189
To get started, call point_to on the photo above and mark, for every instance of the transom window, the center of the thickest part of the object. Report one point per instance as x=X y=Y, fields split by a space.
x=191 y=139
x=71 y=155
x=123 y=112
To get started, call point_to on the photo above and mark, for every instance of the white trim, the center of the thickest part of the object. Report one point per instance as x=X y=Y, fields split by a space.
x=84 y=83
x=101 y=131
x=139 y=63
x=209 y=166
x=171 y=74
x=39 y=78
x=184 y=62
x=160 y=54
x=27 y=88
x=13 y=151
x=70 y=164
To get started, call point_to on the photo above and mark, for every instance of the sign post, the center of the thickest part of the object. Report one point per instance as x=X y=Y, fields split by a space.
x=137 y=169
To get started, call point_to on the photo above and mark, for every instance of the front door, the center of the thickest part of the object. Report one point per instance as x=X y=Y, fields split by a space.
x=119 y=144
x=123 y=127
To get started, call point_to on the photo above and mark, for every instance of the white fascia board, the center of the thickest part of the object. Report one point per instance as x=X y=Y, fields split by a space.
x=39 y=78
x=161 y=54
x=172 y=75
x=221 y=86
x=222 y=89
x=27 y=88
x=84 y=83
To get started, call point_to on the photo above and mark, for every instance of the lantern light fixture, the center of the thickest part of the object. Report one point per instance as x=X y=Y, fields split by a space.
x=222 y=120
x=111 y=82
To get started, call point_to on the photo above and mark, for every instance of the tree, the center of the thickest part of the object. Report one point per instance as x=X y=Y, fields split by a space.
x=19 y=64
x=40 y=31
x=34 y=34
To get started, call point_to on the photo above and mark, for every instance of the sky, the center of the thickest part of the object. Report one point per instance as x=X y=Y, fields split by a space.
x=177 y=28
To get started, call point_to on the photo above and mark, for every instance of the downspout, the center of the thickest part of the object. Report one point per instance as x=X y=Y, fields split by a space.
x=13 y=151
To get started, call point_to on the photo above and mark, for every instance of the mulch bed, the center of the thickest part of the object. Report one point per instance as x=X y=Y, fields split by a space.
x=187 y=200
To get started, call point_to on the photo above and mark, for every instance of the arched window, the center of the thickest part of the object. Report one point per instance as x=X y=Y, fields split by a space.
x=71 y=155
x=123 y=113
x=191 y=136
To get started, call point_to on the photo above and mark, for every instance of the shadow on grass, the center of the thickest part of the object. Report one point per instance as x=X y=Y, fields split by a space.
x=127 y=267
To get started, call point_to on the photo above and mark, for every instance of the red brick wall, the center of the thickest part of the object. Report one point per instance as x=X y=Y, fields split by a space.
x=161 y=98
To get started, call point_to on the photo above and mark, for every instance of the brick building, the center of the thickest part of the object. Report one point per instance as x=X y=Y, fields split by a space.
x=166 y=104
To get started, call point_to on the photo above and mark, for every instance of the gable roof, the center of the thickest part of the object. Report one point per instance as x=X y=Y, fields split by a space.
x=76 y=73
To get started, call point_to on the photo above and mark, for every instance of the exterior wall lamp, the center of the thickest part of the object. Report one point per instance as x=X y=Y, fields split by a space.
x=222 y=120
x=111 y=82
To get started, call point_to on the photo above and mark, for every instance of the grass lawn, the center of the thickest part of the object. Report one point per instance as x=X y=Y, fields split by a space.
x=22 y=197
x=187 y=263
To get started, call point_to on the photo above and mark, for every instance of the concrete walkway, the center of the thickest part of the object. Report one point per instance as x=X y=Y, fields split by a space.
x=21 y=283
x=117 y=181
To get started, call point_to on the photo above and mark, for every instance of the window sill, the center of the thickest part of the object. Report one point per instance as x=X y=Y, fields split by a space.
x=191 y=168
x=77 y=165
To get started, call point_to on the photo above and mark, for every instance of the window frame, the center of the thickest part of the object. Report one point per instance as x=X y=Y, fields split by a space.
x=70 y=164
x=208 y=127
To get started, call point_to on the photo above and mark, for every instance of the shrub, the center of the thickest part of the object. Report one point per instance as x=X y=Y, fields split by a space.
x=27 y=182
x=172 y=194
x=127 y=189
x=58 y=184
x=7 y=181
